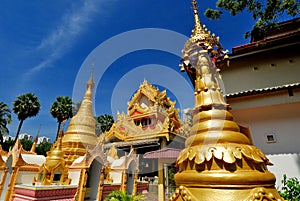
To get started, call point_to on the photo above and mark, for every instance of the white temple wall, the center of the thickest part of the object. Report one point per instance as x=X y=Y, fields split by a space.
x=282 y=121
x=288 y=164
x=261 y=70
x=74 y=176
x=26 y=177
x=116 y=177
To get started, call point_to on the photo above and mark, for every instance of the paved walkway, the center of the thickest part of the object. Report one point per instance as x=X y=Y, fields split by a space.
x=152 y=194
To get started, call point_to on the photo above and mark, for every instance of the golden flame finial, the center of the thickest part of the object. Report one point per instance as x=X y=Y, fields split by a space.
x=198 y=29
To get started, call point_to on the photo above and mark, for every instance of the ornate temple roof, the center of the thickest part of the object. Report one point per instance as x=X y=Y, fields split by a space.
x=151 y=114
x=152 y=96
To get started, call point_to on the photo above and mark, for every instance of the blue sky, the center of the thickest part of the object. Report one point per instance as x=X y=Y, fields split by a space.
x=48 y=48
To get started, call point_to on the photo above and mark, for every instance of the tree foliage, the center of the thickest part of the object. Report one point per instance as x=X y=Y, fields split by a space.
x=25 y=106
x=5 y=119
x=105 y=122
x=61 y=109
x=7 y=145
x=26 y=144
x=43 y=148
x=266 y=13
x=291 y=189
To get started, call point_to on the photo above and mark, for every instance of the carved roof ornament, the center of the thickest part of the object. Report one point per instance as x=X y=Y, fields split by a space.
x=217 y=147
x=154 y=96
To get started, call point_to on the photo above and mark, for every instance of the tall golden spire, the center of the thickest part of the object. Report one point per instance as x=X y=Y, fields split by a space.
x=33 y=147
x=198 y=28
x=81 y=135
x=219 y=161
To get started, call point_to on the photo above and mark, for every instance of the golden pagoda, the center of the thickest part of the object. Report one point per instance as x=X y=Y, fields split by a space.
x=219 y=161
x=81 y=135
x=54 y=165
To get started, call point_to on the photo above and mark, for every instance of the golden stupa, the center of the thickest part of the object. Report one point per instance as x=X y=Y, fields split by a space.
x=80 y=136
x=219 y=161
x=55 y=163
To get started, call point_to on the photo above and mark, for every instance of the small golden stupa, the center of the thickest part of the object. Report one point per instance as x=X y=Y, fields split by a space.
x=219 y=161
x=54 y=164
x=81 y=133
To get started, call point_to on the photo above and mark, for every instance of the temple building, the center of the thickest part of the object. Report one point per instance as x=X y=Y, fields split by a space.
x=152 y=128
x=267 y=98
x=82 y=166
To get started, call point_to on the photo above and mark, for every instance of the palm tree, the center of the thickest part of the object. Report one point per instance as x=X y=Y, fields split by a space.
x=61 y=109
x=5 y=118
x=105 y=122
x=25 y=106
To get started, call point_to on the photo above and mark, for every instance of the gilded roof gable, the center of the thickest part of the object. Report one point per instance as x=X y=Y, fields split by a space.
x=151 y=114
x=147 y=96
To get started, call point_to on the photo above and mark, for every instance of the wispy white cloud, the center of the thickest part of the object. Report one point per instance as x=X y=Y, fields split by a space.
x=73 y=23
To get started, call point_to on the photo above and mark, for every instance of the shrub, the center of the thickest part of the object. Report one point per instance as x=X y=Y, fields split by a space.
x=120 y=196
x=290 y=189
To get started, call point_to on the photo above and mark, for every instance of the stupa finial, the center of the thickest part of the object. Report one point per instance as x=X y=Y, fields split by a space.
x=90 y=85
x=197 y=24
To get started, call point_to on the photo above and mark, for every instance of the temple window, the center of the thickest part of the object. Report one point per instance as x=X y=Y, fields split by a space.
x=144 y=122
x=56 y=177
x=137 y=122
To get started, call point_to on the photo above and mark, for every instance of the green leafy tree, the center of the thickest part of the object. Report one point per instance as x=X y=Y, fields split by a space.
x=26 y=144
x=43 y=148
x=7 y=145
x=5 y=118
x=61 y=109
x=25 y=106
x=266 y=13
x=290 y=189
x=105 y=122
x=120 y=196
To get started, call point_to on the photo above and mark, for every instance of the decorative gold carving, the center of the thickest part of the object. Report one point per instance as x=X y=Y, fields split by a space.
x=181 y=192
x=263 y=194
x=55 y=163
x=113 y=153
x=2 y=161
x=229 y=153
